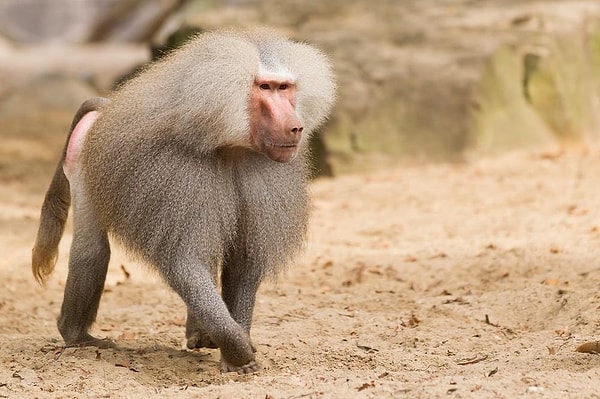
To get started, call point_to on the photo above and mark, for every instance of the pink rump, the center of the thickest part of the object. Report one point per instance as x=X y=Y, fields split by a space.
x=77 y=139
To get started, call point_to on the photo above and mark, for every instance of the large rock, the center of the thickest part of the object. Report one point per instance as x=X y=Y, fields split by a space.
x=100 y=64
x=436 y=80
x=76 y=21
x=417 y=78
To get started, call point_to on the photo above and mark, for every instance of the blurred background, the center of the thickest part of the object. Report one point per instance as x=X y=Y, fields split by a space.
x=424 y=80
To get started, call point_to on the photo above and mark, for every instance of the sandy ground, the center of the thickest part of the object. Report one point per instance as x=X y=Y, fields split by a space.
x=461 y=281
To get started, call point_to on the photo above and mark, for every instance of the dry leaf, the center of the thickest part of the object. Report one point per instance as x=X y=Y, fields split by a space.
x=565 y=334
x=365 y=386
x=178 y=321
x=439 y=255
x=125 y=272
x=375 y=270
x=487 y=321
x=366 y=348
x=476 y=388
x=551 y=155
x=575 y=210
x=412 y=322
x=127 y=364
x=589 y=347
x=127 y=335
x=458 y=299
x=551 y=281
x=84 y=372
x=106 y=327
x=471 y=360
x=327 y=264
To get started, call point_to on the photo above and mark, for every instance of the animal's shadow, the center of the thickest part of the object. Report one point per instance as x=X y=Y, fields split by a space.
x=153 y=364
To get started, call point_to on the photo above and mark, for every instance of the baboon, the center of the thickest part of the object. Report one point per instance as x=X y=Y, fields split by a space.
x=198 y=166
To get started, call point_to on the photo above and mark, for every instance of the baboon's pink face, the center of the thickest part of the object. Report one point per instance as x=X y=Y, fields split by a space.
x=275 y=128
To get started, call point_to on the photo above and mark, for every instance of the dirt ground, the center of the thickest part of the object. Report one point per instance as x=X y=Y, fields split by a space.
x=466 y=280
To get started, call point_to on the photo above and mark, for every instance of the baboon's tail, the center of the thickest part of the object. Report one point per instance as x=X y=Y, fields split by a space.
x=56 y=207
x=52 y=225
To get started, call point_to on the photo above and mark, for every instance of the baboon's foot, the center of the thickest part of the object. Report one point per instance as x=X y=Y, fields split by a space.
x=88 y=340
x=200 y=339
x=249 y=368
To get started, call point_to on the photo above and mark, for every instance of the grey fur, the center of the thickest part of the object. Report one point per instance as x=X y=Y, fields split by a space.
x=167 y=170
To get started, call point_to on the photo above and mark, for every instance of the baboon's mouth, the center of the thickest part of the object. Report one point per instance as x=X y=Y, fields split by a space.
x=281 y=145
x=281 y=152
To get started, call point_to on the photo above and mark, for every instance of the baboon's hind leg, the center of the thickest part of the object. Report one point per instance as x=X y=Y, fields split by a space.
x=196 y=334
x=88 y=264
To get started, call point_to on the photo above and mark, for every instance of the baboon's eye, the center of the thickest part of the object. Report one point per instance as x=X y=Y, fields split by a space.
x=265 y=86
x=283 y=87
